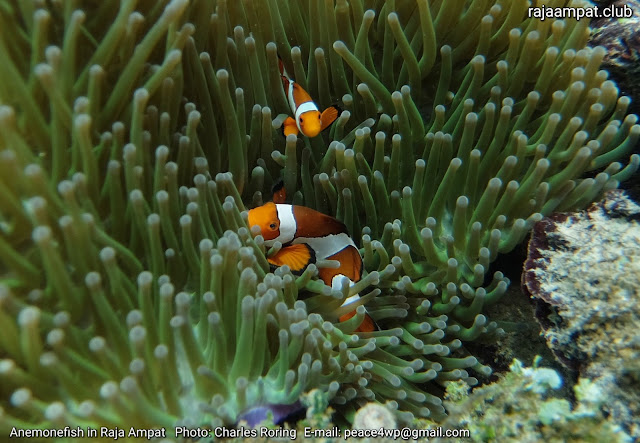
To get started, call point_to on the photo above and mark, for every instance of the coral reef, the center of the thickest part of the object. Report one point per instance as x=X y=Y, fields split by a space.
x=134 y=135
x=520 y=406
x=583 y=271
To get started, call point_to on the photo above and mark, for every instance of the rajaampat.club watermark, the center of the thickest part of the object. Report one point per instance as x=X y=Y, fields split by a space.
x=610 y=11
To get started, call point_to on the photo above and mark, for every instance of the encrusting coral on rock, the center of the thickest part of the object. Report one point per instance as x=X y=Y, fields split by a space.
x=133 y=135
x=521 y=406
x=583 y=272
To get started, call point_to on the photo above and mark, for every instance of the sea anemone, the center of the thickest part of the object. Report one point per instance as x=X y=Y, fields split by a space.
x=134 y=294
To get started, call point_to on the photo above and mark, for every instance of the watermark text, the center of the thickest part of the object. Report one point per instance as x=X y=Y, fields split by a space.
x=589 y=12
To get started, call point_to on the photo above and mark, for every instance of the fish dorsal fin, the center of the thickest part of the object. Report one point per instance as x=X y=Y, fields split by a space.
x=279 y=192
x=285 y=83
x=283 y=71
x=297 y=257
x=328 y=116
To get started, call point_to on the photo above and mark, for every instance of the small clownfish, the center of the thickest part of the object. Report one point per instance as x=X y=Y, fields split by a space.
x=308 y=236
x=308 y=118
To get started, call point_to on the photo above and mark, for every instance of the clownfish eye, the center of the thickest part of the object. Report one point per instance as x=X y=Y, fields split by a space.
x=272 y=226
x=301 y=120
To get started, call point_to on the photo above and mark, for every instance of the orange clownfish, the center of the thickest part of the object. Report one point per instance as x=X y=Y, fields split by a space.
x=308 y=236
x=308 y=118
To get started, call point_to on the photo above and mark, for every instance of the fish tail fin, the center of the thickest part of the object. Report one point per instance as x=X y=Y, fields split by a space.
x=368 y=323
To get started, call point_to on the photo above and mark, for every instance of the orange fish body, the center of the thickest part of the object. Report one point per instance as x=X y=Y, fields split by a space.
x=308 y=236
x=308 y=118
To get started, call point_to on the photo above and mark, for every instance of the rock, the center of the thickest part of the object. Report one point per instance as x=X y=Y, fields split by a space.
x=583 y=272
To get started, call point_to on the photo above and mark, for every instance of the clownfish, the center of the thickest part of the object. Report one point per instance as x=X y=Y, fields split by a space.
x=308 y=236
x=308 y=118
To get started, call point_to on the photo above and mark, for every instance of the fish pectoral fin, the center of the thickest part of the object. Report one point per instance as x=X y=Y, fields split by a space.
x=297 y=257
x=328 y=116
x=289 y=127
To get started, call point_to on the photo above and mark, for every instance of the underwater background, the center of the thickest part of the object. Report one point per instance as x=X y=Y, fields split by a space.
x=134 y=135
